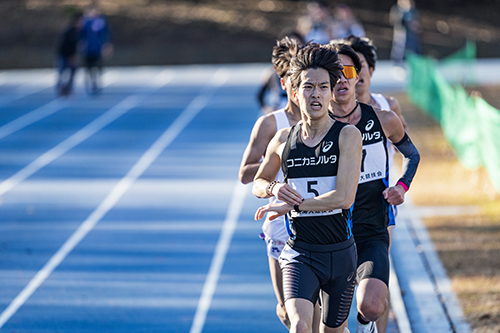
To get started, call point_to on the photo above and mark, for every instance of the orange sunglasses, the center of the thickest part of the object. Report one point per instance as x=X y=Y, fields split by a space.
x=349 y=72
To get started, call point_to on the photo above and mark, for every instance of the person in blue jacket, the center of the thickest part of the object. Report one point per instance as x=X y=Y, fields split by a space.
x=96 y=44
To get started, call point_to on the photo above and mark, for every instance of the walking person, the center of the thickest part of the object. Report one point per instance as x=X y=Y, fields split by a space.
x=320 y=158
x=67 y=55
x=96 y=44
x=404 y=18
x=372 y=211
x=345 y=23
x=316 y=25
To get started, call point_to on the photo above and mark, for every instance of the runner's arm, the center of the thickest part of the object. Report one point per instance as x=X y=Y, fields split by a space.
x=410 y=161
x=264 y=185
x=262 y=132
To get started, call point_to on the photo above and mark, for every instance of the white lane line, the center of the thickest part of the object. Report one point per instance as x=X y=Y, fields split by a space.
x=31 y=117
x=397 y=303
x=114 y=196
x=75 y=139
x=29 y=88
x=42 y=112
x=80 y=136
x=233 y=213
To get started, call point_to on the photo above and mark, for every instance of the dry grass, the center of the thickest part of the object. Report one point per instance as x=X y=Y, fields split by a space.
x=468 y=246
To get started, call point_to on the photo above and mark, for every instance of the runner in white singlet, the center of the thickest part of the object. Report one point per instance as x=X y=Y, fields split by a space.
x=265 y=128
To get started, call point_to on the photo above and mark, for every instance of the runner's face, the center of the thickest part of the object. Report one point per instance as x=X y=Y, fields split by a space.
x=365 y=75
x=345 y=89
x=314 y=93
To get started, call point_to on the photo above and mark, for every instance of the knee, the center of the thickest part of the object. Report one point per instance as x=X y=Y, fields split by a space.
x=300 y=326
x=372 y=311
x=282 y=315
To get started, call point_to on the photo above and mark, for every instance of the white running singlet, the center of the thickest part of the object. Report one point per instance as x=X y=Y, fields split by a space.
x=384 y=105
x=275 y=231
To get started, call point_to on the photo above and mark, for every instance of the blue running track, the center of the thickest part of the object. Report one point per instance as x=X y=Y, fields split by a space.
x=123 y=212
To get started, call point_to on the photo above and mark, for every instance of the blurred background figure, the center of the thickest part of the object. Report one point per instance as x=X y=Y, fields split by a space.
x=316 y=26
x=271 y=96
x=96 y=43
x=404 y=18
x=345 y=23
x=67 y=57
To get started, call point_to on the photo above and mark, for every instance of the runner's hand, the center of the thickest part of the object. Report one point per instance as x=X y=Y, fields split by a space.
x=394 y=195
x=279 y=209
x=286 y=193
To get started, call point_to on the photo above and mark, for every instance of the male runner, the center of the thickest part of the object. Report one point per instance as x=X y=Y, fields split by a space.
x=368 y=56
x=372 y=209
x=320 y=158
x=271 y=95
x=275 y=234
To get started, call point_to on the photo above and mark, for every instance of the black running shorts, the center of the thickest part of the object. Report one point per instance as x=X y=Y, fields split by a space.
x=325 y=271
x=373 y=258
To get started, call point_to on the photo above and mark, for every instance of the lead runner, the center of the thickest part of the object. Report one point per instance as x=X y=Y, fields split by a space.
x=321 y=160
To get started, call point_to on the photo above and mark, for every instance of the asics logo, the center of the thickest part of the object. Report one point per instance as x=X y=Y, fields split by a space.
x=349 y=278
x=369 y=125
x=327 y=146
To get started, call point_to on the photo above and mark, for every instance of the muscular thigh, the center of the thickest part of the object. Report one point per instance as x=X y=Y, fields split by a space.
x=336 y=295
x=332 y=275
x=299 y=279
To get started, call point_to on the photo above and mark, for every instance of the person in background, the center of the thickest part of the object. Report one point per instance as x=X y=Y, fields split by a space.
x=316 y=26
x=67 y=55
x=96 y=44
x=345 y=23
x=404 y=18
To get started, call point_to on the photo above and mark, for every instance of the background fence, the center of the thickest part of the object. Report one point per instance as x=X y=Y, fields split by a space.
x=470 y=124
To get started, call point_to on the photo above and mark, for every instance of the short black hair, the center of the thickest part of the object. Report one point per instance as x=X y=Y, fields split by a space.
x=341 y=48
x=314 y=56
x=283 y=53
x=365 y=46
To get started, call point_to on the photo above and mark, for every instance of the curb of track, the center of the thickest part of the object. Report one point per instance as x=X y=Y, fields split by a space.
x=430 y=303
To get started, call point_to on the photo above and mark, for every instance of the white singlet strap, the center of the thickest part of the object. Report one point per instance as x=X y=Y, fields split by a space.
x=281 y=119
x=381 y=101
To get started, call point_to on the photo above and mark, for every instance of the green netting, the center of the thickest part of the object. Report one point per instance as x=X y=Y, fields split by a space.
x=470 y=125
x=467 y=52
x=460 y=65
